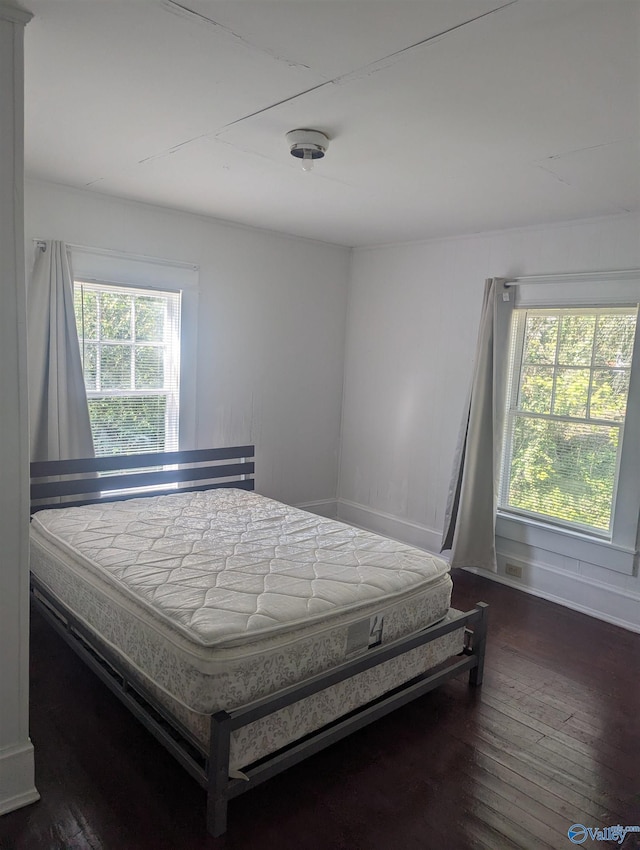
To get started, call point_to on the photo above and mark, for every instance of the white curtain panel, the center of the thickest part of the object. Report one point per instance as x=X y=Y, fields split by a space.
x=59 y=414
x=470 y=517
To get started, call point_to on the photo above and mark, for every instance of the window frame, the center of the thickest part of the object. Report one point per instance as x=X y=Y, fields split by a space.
x=617 y=551
x=106 y=265
x=172 y=392
x=513 y=411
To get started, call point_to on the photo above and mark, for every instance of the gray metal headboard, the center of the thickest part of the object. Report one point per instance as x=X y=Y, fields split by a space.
x=93 y=480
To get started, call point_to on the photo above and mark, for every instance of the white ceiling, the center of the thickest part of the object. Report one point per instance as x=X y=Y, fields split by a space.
x=445 y=116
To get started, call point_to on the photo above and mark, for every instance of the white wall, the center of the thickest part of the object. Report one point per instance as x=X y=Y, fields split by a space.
x=411 y=332
x=270 y=328
x=270 y=356
x=16 y=752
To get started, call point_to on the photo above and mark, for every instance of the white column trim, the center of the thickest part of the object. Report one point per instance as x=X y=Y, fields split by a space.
x=16 y=751
x=16 y=771
x=14 y=14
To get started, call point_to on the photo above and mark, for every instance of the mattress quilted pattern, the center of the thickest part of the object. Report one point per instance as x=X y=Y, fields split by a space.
x=225 y=566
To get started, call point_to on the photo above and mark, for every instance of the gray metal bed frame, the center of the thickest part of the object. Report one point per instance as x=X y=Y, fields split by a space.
x=211 y=768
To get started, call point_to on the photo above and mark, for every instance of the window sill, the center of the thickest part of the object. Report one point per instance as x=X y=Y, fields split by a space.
x=563 y=541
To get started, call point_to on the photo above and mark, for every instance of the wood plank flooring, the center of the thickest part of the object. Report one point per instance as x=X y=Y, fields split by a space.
x=551 y=739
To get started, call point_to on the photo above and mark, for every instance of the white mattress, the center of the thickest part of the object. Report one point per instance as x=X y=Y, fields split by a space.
x=223 y=596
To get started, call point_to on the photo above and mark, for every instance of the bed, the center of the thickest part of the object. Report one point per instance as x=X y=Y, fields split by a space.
x=245 y=634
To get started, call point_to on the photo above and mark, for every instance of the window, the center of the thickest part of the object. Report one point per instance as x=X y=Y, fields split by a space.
x=567 y=402
x=130 y=348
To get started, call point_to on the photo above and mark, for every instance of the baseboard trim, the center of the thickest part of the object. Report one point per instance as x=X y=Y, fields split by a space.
x=392 y=526
x=429 y=539
x=17 y=788
x=561 y=600
x=323 y=507
x=19 y=801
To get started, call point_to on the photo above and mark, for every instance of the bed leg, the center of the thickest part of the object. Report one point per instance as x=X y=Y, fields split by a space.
x=218 y=773
x=479 y=644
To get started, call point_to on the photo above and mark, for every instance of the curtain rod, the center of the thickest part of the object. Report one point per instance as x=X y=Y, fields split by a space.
x=610 y=275
x=122 y=255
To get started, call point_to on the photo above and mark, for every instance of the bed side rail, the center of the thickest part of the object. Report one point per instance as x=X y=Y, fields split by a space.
x=94 y=480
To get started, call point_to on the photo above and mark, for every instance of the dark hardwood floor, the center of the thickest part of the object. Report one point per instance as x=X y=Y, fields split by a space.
x=551 y=739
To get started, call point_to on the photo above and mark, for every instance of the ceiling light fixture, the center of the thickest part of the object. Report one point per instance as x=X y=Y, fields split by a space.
x=307 y=145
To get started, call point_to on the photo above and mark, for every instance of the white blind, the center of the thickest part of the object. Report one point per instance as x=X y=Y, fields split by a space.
x=130 y=348
x=570 y=371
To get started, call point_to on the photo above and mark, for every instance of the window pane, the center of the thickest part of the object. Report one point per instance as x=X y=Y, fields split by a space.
x=572 y=391
x=564 y=470
x=128 y=425
x=118 y=366
x=535 y=389
x=609 y=394
x=149 y=367
x=541 y=338
x=90 y=364
x=614 y=339
x=576 y=340
x=86 y=313
x=149 y=319
x=115 y=316
x=115 y=367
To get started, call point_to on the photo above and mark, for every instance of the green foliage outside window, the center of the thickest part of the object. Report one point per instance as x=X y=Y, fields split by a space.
x=123 y=343
x=568 y=409
x=564 y=470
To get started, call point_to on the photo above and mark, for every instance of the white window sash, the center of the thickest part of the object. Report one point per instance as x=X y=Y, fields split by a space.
x=170 y=345
x=513 y=414
x=619 y=551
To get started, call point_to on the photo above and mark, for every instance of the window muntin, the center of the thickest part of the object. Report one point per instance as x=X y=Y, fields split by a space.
x=569 y=385
x=130 y=348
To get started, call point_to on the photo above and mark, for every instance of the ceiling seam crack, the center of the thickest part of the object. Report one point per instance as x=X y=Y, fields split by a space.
x=581 y=150
x=554 y=174
x=184 y=11
x=173 y=148
x=429 y=38
x=371 y=67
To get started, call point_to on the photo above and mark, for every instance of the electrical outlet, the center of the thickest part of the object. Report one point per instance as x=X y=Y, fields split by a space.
x=513 y=570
